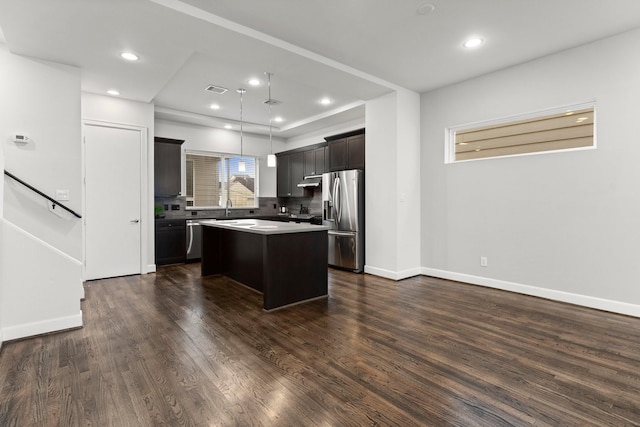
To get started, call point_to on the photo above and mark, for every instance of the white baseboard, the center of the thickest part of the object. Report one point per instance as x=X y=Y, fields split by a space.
x=393 y=275
x=151 y=268
x=43 y=327
x=577 y=299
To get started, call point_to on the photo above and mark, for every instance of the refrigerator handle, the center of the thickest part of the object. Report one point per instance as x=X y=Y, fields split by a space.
x=190 y=227
x=336 y=199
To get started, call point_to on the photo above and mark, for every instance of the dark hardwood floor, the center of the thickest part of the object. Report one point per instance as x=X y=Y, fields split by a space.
x=174 y=349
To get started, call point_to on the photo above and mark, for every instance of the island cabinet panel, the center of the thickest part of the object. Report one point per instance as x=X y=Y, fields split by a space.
x=272 y=264
x=242 y=258
x=292 y=274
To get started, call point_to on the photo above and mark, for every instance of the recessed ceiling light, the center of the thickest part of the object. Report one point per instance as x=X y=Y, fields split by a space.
x=325 y=101
x=214 y=106
x=227 y=126
x=426 y=9
x=278 y=119
x=255 y=82
x=113 y=92
x=473 y=42
x=129 y=56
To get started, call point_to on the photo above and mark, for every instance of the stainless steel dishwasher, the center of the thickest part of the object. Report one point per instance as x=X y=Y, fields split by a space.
x=194 y=240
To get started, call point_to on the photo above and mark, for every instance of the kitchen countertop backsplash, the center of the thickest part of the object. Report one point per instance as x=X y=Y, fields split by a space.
x=175 y=207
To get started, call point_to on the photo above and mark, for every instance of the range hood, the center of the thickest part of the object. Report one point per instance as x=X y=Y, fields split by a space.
x=311 y=181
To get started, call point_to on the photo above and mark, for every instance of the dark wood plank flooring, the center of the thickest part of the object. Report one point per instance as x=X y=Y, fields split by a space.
x=174 y=349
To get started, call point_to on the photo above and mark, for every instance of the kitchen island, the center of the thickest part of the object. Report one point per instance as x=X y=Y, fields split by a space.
x=286 y=262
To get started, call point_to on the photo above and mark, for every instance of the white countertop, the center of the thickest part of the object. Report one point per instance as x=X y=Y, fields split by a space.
x=262 y=226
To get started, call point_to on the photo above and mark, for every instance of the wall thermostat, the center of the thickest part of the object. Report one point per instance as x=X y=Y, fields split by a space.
x=20 y=138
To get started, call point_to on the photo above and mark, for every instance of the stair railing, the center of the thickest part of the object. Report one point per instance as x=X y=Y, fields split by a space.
x=35 y=190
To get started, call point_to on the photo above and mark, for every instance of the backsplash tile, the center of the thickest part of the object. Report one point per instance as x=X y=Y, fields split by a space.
x=266 y=206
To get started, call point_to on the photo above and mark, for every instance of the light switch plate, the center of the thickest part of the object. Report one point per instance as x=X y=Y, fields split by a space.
x=62 y=194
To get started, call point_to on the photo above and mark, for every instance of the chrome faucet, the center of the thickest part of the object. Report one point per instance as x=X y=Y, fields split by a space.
x=229 y=205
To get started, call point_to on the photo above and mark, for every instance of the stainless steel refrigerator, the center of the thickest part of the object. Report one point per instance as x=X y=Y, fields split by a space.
x=343 y=212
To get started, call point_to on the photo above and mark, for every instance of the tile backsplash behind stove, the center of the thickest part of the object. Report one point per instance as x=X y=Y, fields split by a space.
x=313 y=203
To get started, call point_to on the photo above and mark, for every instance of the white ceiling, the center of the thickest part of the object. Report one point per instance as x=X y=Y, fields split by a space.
x=349 y=50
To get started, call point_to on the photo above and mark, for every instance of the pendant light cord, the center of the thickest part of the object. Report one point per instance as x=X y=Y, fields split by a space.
x=270 y=120
x=241 y=91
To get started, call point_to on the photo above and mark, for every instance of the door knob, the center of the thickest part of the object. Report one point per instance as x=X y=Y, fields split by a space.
x=135 y=221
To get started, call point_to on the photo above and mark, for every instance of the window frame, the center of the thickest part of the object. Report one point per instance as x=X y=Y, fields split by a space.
x=450 y=132
x=226 y=158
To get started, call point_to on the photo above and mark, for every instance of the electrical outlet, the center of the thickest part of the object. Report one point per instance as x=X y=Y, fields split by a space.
x=483 y=261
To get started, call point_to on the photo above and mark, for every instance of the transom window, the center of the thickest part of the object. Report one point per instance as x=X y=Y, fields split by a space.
x=568 y=128
x=214 y=178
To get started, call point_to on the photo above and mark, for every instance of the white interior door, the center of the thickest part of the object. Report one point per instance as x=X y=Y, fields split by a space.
x=112 y=201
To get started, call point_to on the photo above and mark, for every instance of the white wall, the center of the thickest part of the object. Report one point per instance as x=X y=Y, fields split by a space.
x=381 y=186
x=561 y=225
x=393 y=185
x=408 y=184
x=39 y=297
x=225 y=141
x=139 y=114
x=51 y=161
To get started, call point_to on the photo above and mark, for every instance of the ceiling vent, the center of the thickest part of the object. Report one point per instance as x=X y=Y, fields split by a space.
x=272 y=101
x=216 y=89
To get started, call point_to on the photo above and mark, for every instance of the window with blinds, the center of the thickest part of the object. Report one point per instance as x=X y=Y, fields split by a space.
x=214 y=178
x=571 y=128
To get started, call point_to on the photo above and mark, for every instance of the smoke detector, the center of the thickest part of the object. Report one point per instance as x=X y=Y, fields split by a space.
x=216 y=89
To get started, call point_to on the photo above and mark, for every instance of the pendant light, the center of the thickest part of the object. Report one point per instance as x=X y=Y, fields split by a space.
x=241 y=164
x=271 y=158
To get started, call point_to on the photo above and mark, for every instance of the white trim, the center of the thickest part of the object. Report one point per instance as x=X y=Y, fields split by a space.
x=450 y=132
x=145 y=214
x=47 y=245
x=151 y=268
x=393 y=275
x=43 y=327
x=536 y=291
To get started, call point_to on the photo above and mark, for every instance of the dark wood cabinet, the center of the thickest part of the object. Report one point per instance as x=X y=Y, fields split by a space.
x=296 y=167
x=355 y=152
x=314 y=161
x=338 y=155
x=289 y=174
x=346 y=151
x=167 y=167
x=282 y=175
x=171 y=235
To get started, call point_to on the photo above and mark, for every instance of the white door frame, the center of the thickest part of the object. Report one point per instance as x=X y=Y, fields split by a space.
x=144 y=193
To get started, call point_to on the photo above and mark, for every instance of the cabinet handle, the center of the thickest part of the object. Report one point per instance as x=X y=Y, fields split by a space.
x=135 y=221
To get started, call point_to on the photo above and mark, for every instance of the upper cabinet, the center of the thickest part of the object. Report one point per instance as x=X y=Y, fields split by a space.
x=167 y=168
x=340 y=152
x=346 y=151
x=289 y=173
x=314 y=161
